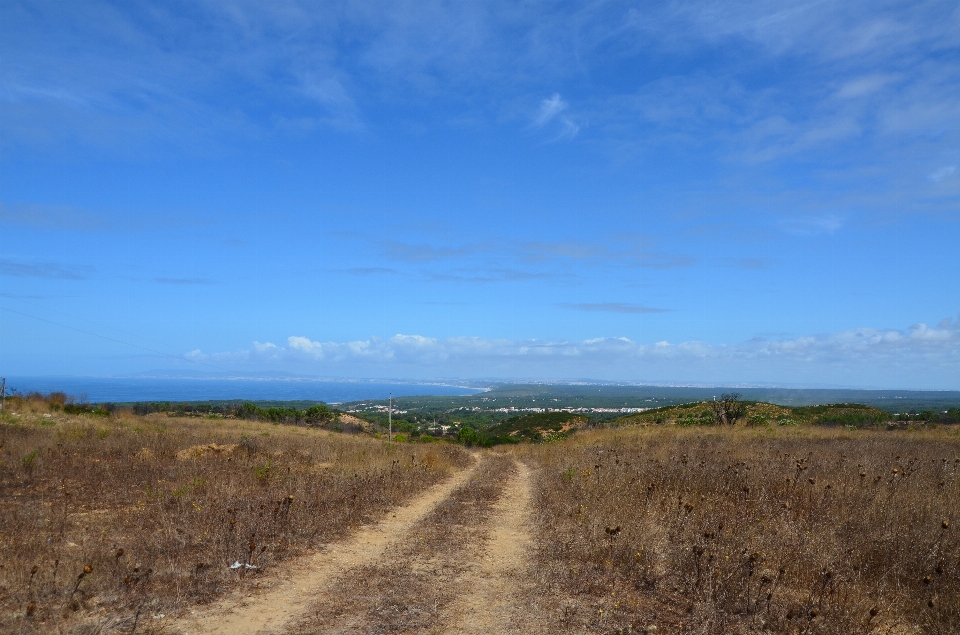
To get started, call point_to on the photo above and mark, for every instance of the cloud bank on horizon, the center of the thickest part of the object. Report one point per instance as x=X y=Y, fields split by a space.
x=537 y=189
x=871 y=355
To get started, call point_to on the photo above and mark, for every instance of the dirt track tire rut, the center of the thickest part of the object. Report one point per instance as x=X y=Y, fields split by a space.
x=452 y=561
x=454 y=572
x=495 y=603
x=290 y=596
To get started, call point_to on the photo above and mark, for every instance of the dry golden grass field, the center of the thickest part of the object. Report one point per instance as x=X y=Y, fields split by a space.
x=130 y=524
x=751 y=530
x=106 y=522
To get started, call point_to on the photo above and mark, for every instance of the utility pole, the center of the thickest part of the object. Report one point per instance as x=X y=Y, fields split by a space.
x=3 y=391
x=390 y=419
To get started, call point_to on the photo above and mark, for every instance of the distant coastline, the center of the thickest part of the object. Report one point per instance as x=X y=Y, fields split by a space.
x=171 y=388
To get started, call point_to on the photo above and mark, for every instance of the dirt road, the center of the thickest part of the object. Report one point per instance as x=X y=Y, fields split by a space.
x=451 y=561
x=493 y=603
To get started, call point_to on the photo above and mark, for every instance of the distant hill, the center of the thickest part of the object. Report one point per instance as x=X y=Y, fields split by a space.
x=760 y=413
x=537 y=426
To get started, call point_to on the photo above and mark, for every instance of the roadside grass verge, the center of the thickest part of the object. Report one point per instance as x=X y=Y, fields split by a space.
x=106 y=521
x=749 y=530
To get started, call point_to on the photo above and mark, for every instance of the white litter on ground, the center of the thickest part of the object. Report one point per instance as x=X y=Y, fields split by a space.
x=237 y=565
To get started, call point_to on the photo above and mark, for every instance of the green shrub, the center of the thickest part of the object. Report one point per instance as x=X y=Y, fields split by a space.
x=469 y=437
x=86 y=409
x=28 y=460
x=758 y=420
x=263 y=472
x=314 y=415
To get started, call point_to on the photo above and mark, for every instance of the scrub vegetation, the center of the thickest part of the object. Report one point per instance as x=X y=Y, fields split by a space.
x=536 y=427
x=732 y=410
x=313 y=414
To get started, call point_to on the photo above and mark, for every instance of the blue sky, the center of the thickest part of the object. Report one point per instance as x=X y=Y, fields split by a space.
x=700 y=192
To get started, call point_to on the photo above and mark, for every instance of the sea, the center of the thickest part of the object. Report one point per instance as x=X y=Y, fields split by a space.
x=134 y=389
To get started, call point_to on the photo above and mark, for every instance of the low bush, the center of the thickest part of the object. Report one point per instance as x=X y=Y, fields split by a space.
x=314 y=415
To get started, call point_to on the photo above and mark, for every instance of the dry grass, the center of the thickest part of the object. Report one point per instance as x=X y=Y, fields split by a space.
x=747 y=530
x=107 y=521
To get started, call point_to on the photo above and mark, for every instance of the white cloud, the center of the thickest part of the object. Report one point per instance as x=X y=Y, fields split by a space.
x=611 y=307
x=551 y=110
x=920 y=356
x=854 y=30
x=866 y=85
x=52 y=270
x=340 y=110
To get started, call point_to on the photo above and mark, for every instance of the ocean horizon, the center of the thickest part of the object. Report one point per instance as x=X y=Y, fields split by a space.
x=133 y=389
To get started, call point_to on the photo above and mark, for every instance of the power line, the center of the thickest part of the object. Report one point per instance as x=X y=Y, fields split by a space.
x=104 y=337
x=77 y=317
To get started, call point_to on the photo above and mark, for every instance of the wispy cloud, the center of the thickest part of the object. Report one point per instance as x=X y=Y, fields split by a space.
x=572 y=249
x=408 y=252
x=850 y=31
x=69 y=218
x=339 y=110
x=943 y=173
x=612 y=307
x=479 y=274
x=865 y=85
x=552 y=109
x=43 y=270
x=549 y=109
x=754 y=264
x=367 y=271
x=659 y=260
x=50 y=217
x=486 y=276
x=812 y=225
x=506 y=260
x=184 y=281
x=617 y=250
x=535 y=260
